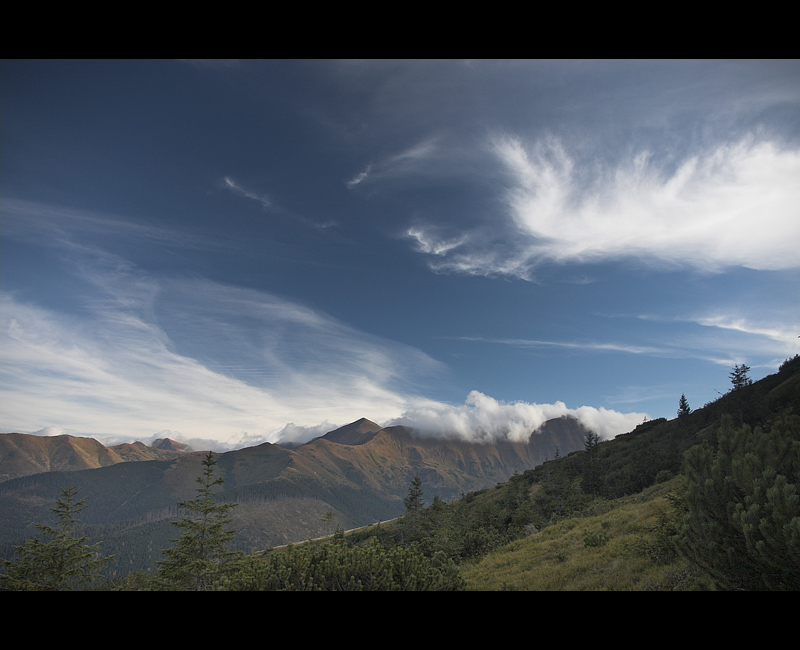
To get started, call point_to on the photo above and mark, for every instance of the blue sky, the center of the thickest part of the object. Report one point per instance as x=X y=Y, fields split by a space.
x=233 y=252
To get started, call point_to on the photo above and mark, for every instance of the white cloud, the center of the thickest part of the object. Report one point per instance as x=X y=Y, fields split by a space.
x=268 y=205
x=203 y=360
x=425 y=243
x=736 y=205
x=413 y=159
x=234 y=187
x=44 y=223
x=293 y=433
x=588 y=346
x=782 y=335
x=360 y=177
x=484 y=419
x=723 y=338
x=224 y=367
x=737 y=339
x=50 y=432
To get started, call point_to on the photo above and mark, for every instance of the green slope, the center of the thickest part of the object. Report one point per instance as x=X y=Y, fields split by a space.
x=546 y=530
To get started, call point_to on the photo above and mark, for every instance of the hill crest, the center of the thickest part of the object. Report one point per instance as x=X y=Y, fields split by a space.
x=23 y=454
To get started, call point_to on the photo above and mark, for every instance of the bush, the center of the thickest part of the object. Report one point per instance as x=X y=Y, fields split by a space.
x=338 y=566
x=741 y=520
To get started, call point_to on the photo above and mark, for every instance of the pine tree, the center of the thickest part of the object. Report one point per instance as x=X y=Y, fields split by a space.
x=741 y=520
x=683 y=407
x=739 y=377
x=200 y=555
x=414 y=502
x=592 y=472
x=591 y=442
x=66 y=562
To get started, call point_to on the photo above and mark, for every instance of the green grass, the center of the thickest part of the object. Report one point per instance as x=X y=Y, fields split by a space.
x=613 y=550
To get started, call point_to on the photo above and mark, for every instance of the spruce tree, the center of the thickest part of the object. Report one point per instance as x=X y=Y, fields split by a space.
x=66 y=562
x=592 y=471
x=739 y=378
x=200 y=556
x=683 y=407
x=414 y=502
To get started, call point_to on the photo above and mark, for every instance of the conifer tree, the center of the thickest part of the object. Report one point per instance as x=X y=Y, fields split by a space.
x=741 y=522
x=200 y=555
x=66 y=562
x=683 y=407
x=414 y=502
x=591 y=476
x=739 y=377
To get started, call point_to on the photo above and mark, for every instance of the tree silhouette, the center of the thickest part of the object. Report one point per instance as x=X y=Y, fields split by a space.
x=66 y=562
x=200 y=555
x=683 y=407
x=739 y=377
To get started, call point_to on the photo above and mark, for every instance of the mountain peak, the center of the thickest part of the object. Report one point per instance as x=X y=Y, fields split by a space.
x=167 y=444
x=355 y=433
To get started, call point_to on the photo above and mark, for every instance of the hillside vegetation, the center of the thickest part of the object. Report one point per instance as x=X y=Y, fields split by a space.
x=623 y=544
x=358 y=472
x=708 y=500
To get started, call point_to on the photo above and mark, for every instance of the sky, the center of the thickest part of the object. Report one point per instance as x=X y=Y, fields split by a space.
x=236 y=252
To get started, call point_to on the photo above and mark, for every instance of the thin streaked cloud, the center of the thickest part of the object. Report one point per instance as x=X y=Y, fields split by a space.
x=587 y=346
x=119 y=370
x=62 y=225
x=238 y=189
x=701 y=214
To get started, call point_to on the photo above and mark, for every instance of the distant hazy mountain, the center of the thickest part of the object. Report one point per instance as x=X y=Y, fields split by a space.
x=360 y=472
x=22 y=454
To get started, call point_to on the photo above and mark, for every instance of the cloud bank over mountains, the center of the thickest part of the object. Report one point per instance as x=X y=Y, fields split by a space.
x=484 y=419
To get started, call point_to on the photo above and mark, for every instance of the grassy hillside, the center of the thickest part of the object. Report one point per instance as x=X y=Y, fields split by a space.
x=617 y=545
x=631 y=514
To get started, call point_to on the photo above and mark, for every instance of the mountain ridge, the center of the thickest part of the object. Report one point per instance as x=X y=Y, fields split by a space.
x=360 y=482
x=22 y=454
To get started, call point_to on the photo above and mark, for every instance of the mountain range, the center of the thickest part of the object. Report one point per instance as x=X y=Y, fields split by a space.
x=359 y=472
x=22 y=454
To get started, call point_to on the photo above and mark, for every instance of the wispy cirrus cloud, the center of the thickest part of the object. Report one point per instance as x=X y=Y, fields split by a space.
x=586 y=346
x=722 y=338
x=130 y=353
x=413 y=159
x=734 y=205
x=205 y=360
x=269 y=205
x=726 y=337
x=47 y=223
x=225 y=367
x=234 y=187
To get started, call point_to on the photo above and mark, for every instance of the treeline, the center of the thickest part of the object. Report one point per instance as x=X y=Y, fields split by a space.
x=62 y=558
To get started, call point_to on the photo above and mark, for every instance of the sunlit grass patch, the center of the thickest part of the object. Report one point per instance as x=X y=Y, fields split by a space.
x=607 y=551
